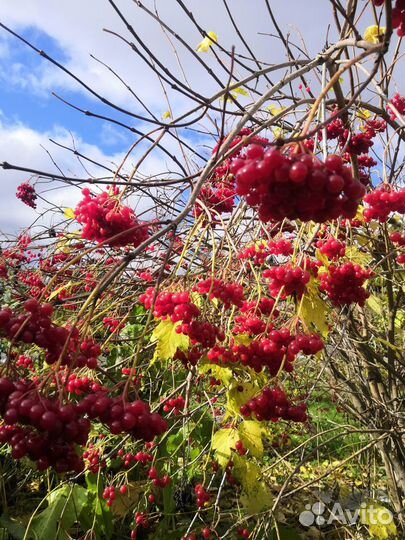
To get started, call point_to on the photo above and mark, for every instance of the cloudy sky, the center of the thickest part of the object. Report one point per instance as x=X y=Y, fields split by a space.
x=72 y=32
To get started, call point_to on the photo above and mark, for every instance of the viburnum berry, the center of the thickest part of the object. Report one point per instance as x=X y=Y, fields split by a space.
x=206 y=532
x=228 y=293
x=382 y=201
x=398 y=102
x=26 y=193
x=297 y=186
x=202 y=495
x=104 y=217
x=332 y=248
x=344 y=284
x=177 y=306
x=273 y=404
x=287 y=280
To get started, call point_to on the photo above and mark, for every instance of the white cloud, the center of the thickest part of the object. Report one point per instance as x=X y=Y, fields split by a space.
x=77 y=28
x=21 y=145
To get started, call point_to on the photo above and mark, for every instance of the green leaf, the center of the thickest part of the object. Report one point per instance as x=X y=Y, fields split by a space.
x=96 y=513
x=168 y=340
x=13 y=527
x=251 y=435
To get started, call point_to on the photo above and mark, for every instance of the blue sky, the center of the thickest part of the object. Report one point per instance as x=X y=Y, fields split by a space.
x=71 y=30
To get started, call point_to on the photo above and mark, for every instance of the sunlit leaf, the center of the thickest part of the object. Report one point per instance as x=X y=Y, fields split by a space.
x=69 y=213
x=223 y=442
x=313 y=310
x=239 y=394
x=207 y=42
x=251 y=436
x=223 y=374
x=379 y=520
x=374 y=34
x=168 y=340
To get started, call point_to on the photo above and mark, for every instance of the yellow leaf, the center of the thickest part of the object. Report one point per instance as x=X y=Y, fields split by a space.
x=356 y=256
x=251 y=436
x=223 y=442
x=167 y=115
x=58 y=290
x=363 y=114
x=242 y=339
x=223 y=374
x=313 y=310
x=374 y=304
x=168 y=340
x=274 y=111
x=256 y=496
x=321 y=257
x=236 y=92
x=278 y=133
x=207 y=42
x=374 y=34
x=239 y=394
x=379 y=520
x=240 y=91
x=69 y=213
x=360 y=213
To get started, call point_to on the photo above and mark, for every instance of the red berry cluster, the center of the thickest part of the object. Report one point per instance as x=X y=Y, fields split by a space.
x=382 y=202
x=174 y=404
x=80 y=385
x=281 y=247
x=273 y=404
x=228 y=293
x=275 y=352
x=344 y=284
x=202 y=495
x=134 y=417
x=103 y=217
x=398 y=238
x=190 y=357
x=398 y=102
x=244 y=533
x=34 y=325
x=26 y=194
x=218 y=197
x=203 y=333
x=332 y=248
x=357 y=143
x=264 y=306
x=112 y=324
x=109 y=495
x=45 y=430
x=25 y=362
x=142 y=520
x=297 y=186
x=240 y=448
x=177 y=306
x=335 y=129
x=93 y=457
x=258 y=254
x=251 y=325
x=3 y=271
x=287 y=280
x=159 y=481
x=398 y=17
